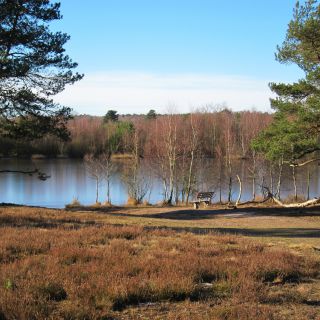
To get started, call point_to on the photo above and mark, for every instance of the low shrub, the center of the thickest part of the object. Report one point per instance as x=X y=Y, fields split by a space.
x=132 y=202
x=52 y=291
x=97 y=271
x=74 y=203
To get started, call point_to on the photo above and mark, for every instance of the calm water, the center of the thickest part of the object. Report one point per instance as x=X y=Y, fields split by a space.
x=70 y=180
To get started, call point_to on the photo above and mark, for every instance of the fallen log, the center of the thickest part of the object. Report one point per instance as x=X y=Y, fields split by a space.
x=296 y=205
x=291 y=205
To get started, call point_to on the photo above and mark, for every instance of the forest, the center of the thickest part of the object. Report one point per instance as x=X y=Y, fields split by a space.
x=209 y=133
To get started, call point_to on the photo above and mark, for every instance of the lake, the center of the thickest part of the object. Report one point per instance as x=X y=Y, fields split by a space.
x=69 y=180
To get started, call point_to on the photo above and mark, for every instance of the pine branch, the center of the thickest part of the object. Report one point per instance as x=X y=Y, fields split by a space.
x=41 y=175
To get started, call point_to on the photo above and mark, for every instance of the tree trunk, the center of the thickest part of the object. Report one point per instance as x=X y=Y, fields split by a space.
x=220 y=190
x=171 y=188
x=240 y=191
x=294 y=183
x=189 y=177
x=271 y=177
x=308 y=185
x=262 y=186
x=97 y=190
x=253 y=172
x=165 y=189
x=230 y=190
x=108 y=190
x=220 y=180
x=176 y=192
x=279 y=180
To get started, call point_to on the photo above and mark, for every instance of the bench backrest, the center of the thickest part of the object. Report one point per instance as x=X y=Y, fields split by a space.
x=205 y=195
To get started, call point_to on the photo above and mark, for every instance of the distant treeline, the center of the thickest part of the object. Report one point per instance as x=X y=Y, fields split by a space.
x=221 y=134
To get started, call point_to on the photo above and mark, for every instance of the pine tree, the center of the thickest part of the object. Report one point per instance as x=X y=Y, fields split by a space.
x=151 y=114
x=294 y=133
x=111 y=115
x=33 y=68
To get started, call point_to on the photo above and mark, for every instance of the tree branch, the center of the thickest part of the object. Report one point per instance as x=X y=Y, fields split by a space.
x=41 y=175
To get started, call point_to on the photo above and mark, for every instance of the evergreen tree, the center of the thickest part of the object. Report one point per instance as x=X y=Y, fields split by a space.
x=294 y=133
x=151 y=114
x=33 y=68
x=111 y=115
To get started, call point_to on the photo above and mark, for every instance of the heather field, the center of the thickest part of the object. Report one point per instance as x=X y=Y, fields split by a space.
x=159 y=263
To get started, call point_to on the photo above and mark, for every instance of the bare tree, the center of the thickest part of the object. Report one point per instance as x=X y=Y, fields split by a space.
x=219 y=158
x=193 y=148
x=94 y=168
x=171 y=151
x=166 y=144
x=107 y=167
x=229 y=141
x=156 y=151
x=138 y=185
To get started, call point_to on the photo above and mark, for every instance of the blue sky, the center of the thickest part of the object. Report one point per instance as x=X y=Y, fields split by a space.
x=139 y=54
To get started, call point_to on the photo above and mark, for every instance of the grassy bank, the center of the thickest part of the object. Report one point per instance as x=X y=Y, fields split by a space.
x=79 y=265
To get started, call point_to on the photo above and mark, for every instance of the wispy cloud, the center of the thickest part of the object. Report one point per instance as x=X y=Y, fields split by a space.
x=138 y=92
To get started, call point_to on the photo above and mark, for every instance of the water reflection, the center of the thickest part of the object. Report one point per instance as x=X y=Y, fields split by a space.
x=70 y=180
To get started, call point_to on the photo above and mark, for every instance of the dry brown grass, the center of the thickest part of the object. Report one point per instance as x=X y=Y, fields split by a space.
x=56 y=265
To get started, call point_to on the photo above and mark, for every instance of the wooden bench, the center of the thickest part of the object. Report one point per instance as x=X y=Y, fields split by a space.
x=204 y=197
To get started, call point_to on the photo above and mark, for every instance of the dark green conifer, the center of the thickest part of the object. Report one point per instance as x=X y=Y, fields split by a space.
x=33 y=68
x=294 y=133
